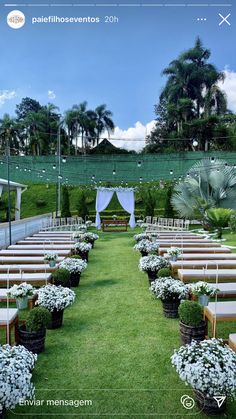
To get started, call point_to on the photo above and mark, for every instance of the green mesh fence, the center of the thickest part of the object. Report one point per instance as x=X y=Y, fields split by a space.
x=126 y=168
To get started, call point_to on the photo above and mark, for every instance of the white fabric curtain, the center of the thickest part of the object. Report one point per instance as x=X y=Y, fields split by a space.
x=126 y=200
x=102 y=201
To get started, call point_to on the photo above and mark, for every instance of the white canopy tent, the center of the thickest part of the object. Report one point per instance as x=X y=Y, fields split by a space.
x=125 y=197
x=18 y=188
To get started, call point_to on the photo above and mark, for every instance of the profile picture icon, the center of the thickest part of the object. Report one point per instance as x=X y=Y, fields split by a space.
x=16 y=19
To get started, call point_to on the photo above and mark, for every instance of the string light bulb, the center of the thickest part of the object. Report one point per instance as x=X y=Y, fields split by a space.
x=114 y=172
x=139 y=163
x=64 y=159
x=171 y=172
x=54 y=167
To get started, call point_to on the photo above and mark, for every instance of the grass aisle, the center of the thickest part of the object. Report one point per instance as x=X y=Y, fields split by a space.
x=115 y=346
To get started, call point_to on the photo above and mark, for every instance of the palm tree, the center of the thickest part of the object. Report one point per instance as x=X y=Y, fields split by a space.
x=9 y=130
x=80 y=121
x=103 y=121
x=35 y=125
x=208 y=184
x=218 y=218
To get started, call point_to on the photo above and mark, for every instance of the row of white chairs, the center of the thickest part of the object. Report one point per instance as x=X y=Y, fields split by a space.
x=167 y=223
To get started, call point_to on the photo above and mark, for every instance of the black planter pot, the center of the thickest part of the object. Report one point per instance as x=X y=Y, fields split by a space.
x=57 y=319
x=74 y=279
x=208 y=405
x=170 y=308
x=33 y=341
x=3 y=413
x=152 y=276
x=143 y=253
x=84 y=255
x=189 y=333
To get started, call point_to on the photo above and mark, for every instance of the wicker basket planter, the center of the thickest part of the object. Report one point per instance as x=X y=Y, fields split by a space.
x=208 y=405
x=74 y=279
x=189 y=333
x=33 y=341
x=57 y=319
x=170 y=308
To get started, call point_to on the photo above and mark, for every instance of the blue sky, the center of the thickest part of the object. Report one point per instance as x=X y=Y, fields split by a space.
x=118 y=64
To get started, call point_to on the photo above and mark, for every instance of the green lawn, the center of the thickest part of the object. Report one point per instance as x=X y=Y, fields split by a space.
x=114 y=348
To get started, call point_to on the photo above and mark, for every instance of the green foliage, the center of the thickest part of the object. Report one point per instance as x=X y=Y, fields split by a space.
x=75 y=257
x=40 y=203
x=208 y=184
x=232 y=222
x=218 y=218
x=169 y=211
x=82 y=206
x=61 y=277
x=38 y=319
x=164 y=273
x=149 y=200
x=65 y=208
x=190 y=313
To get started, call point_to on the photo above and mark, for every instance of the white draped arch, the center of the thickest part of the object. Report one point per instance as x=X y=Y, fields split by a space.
x=125 y=197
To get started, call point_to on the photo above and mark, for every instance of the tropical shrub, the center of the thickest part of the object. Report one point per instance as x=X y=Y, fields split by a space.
x=218 y=218
x=232 y=222
x=208 y=184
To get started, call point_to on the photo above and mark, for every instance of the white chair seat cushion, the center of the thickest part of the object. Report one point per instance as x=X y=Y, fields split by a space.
x=7 y=314
x=223 y=309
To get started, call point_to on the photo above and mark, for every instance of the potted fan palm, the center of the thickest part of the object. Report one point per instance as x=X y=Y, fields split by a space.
x=209 y=368
x=192 y=324
x=170 y=291
x=55 y=299
x=75 y=267
x=32 y=334
x=204 y=292
x=21 y=293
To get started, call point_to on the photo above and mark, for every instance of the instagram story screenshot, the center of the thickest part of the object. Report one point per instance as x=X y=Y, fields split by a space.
x=117 y=209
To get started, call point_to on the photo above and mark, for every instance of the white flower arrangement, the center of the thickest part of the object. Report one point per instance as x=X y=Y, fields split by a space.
x=174 y=251
x=114 y=216
x=146 y=246
x=51 y=256
x=208 y=366
x=73 y=265
x=15 y=375
x=168 y=289
x=22 y=290
x=88 y=223
x=152 y=263
x=142 y=236
x=81 y=228
x=83 y=247
x=89 y=237
x=55 y=297
x=203 y=288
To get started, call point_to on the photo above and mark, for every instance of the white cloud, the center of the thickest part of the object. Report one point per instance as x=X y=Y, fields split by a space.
x=229 y=87
x=132 y=138
x=6 y=95
x=51 y=94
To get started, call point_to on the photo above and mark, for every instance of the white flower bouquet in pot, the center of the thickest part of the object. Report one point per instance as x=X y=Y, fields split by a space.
x=17 y=364
x=209 y=367
x=151 y=264
x=89 y=237
x=51 y=258
x=204 y=291
x=21 y=293
x=146 y=246
x=75 y=266
x=173 y=253
x=170 y=291
x=142 y=236
x=55 y=299
x=83 y=248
